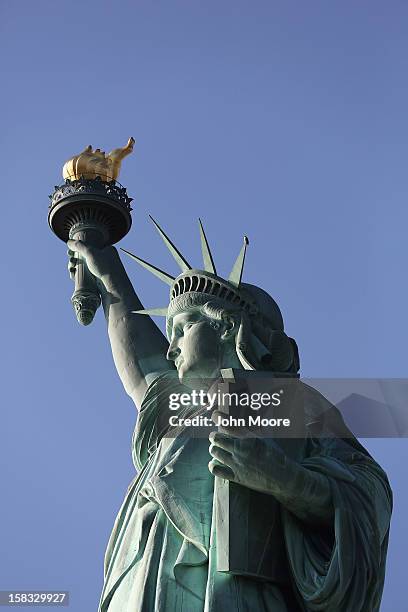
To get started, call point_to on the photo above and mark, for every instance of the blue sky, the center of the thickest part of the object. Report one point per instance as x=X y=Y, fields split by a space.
x=285 y=121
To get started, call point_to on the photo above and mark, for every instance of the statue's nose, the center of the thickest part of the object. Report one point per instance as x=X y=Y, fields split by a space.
x=173 y=352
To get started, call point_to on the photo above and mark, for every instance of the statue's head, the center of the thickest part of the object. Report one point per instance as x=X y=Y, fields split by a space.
x=202 y=342
x=213 y=323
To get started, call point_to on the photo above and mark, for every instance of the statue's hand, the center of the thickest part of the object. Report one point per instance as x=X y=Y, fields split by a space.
x=104 y=264
x=260 y=464
x=255 y=463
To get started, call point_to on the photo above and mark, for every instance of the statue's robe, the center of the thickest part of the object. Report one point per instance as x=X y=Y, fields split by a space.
x=162 y=556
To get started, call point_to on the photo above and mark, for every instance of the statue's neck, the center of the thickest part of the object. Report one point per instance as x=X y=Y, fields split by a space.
x=230 y=360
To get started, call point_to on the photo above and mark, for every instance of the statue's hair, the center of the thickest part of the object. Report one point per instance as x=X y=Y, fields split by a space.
x=216 y=311
x=213 y=309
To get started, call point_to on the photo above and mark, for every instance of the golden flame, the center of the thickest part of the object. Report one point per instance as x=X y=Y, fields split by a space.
x=91 y=164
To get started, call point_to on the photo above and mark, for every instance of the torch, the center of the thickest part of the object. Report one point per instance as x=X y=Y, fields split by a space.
x=94 y=207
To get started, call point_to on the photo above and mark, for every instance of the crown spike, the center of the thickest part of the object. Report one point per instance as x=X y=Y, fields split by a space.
x=209 y=265
x=236 y=272
x=184 y=265
x=156 y=271
x=155 y=312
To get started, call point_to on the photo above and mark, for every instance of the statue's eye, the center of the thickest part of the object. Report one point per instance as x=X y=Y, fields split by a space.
x=187 y=326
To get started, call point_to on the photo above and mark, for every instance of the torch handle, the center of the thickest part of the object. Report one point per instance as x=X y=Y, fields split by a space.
x=86 y=298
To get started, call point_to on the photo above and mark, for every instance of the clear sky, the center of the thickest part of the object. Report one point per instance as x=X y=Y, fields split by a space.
x=283 y=120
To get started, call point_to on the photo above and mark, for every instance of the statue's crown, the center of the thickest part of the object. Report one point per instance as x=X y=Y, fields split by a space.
x=195 y=287
x=267 y=345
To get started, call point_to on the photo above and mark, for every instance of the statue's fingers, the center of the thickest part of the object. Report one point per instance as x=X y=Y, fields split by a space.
x=79 y=247
x=222 y=455
x=234 y=444
x=71 y=270
x=222 y=440
x=221 y=471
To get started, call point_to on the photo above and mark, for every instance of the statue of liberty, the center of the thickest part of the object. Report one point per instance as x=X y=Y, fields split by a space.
x=324 y=510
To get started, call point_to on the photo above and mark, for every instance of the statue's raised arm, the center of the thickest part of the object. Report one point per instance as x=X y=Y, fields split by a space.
x=138 y=346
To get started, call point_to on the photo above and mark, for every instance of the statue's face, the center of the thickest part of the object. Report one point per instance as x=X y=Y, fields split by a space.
x=195 y=348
